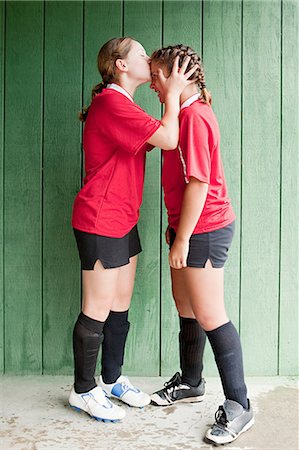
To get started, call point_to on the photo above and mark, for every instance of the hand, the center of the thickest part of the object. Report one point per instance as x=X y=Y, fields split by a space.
x=178 y=79
x=167 y=235
x=178 y=254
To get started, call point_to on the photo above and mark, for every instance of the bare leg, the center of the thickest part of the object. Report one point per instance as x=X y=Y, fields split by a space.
x=205 y=288
x=99 y=291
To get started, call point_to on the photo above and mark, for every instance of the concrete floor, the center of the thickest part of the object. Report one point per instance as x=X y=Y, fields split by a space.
x=35 y=415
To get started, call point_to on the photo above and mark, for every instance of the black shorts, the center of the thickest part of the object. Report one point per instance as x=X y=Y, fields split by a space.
x=213 y=245
x=112 y=252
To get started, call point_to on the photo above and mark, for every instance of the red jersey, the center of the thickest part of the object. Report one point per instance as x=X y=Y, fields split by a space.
x=114 y=142
x=198 y=156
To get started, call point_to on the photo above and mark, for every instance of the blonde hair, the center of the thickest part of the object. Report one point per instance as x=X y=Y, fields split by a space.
x=165 y=57
x=116 y=48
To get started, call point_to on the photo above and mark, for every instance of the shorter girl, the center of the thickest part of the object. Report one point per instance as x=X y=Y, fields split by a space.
x=200 y=232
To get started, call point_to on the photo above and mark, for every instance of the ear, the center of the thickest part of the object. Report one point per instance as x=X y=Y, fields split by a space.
x=121 y=65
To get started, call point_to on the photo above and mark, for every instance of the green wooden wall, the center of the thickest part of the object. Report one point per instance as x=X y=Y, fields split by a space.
x=48 y=67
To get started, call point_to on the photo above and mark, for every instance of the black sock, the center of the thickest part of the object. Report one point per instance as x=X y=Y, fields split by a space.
x=192 y=339
x=87 y=338
x=226 y=346
x=115 y=334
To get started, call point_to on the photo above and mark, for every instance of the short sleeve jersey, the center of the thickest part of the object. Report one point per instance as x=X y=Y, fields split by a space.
x=198 y=156
x=114 y=141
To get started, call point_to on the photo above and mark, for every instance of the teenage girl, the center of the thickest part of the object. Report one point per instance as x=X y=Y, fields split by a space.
x=117 y=135
x=200 y=232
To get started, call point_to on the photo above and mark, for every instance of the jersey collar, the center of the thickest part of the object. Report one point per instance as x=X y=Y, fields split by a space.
x=190 y=100
x=118 y=88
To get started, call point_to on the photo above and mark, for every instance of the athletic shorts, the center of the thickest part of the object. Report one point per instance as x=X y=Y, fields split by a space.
x=112 y=252
x=213 y=245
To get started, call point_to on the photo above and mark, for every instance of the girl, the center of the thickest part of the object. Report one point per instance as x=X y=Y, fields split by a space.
x=201 y=227
x=105 y=215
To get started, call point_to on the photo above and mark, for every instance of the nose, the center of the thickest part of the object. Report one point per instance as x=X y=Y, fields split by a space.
x=152 y=85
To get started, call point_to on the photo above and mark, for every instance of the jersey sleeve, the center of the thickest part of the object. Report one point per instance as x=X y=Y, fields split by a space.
x=127 y=124
x=194 y=142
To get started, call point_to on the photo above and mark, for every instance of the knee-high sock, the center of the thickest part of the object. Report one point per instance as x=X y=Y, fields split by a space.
x=226 y=345
x=115 y=334
x=192 y=339
x=87 y=338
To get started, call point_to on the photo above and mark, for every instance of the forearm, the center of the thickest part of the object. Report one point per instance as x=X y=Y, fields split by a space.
x=170 y=120
x=193 y=202
x=167 y=135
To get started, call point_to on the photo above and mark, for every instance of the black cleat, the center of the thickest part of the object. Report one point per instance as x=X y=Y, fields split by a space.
x=175 y=391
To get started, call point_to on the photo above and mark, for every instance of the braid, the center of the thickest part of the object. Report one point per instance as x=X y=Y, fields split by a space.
x=166 y=56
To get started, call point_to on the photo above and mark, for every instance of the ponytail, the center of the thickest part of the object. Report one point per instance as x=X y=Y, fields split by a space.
x=96 y=90
x=116 y=48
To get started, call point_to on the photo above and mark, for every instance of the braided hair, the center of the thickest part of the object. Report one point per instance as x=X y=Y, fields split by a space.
x=116 y=48
x=165 y=57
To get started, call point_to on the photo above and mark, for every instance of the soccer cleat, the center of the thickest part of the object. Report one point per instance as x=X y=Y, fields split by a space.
x=96 y=404
x=231 y=421
x=126 y=392
x=175 y=391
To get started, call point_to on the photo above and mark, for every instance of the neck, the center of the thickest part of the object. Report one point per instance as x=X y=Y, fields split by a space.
x=188 y=92
x=128 y=84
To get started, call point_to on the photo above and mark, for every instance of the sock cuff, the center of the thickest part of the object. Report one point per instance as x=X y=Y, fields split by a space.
x=187 y=320
x=118 y=317
x=93 y=325
x=217 y=330
x=224 y=339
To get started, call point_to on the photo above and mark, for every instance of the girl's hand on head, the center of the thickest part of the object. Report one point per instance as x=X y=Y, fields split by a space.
x=178 y=254
x=178 y=79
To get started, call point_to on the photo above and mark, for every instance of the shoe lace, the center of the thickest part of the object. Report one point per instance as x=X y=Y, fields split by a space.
x=101 y=397
x=220 y=416
x=126 y=383
x=173 y=382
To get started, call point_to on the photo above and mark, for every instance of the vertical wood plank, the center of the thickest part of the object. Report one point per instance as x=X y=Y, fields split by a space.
x=183 y=26
x=289 y=276
x=142 y=21
x=2 y=53
x=22 y=195
x=222 y=63
x=260 y=186
x=62 y=175
x=103 y=20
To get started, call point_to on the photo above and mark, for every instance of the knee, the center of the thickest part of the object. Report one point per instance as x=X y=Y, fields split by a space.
x=122 y=301
x=124 y=298
x=184 y=308
x=209 y=322
x=96 y=308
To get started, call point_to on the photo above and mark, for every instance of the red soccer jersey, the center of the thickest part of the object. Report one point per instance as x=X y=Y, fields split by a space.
x=114 y=142
x=198 y=156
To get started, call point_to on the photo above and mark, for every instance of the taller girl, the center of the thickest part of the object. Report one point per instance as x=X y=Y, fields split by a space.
x=117 y=135
x=201 y=227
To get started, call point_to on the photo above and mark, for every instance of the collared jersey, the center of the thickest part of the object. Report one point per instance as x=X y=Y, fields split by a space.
x=114 y=141
x=198 y=156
